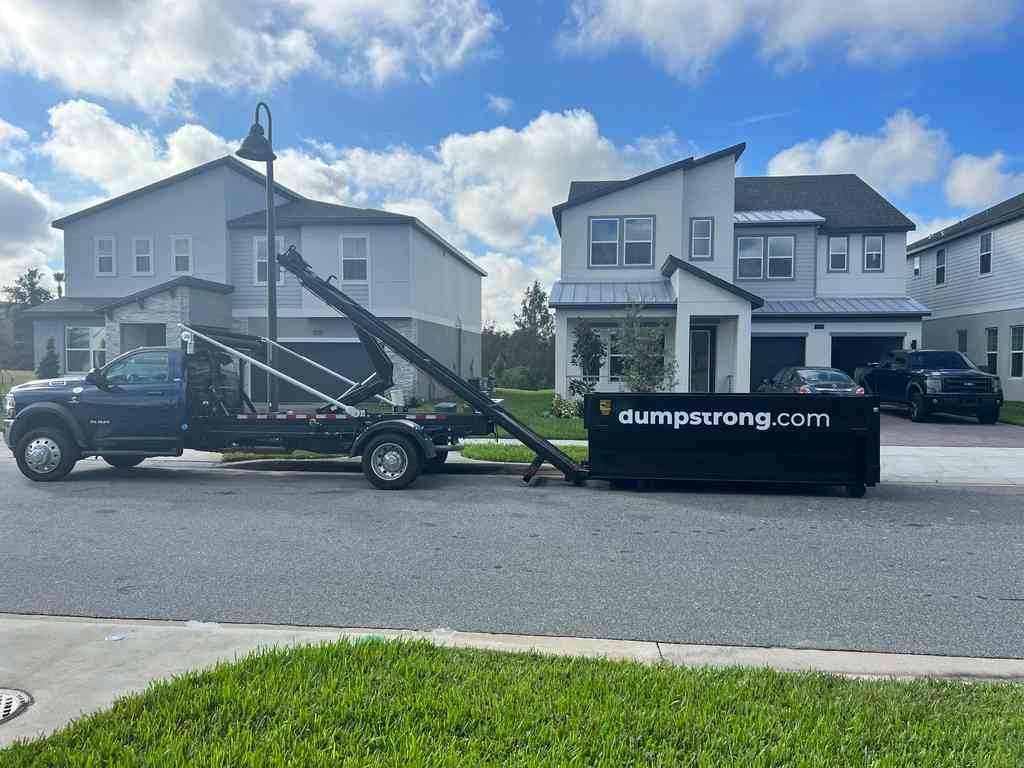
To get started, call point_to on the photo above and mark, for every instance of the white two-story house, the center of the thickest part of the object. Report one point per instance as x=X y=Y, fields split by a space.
x=192 y=249
x=971 y=276
x=748 y=275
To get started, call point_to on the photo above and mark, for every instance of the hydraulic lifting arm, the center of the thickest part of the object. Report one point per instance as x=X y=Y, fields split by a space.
x=373 y=332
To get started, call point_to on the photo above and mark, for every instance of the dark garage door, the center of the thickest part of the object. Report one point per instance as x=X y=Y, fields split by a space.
x=348 y=359
x=850 y=352
x=770 y=353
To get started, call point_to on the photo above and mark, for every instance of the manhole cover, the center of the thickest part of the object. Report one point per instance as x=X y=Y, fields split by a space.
x=12 y=703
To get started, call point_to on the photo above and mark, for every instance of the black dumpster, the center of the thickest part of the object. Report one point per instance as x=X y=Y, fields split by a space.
x=817 y=439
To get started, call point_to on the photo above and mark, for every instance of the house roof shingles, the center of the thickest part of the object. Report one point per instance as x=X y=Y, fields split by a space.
x=185 y=281
x=1007 y=210
x=67 y=306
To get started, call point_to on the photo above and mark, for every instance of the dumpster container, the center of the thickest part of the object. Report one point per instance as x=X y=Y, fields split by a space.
x=815 y=439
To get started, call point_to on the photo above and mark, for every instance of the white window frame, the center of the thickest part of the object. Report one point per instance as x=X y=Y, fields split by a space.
x=916 y=265
x=992 y=349
x=591 y=241
x=135 y=257
x=1017 y=349
x=845 y=240
x=256 y=240
x=768 y=258
x=710 y=238
x=174 y=255
x=341 y=259
x=982 y=253
x=96 y=256
x=941 y=266
x=880 y=252
x=761 y=259
x=94 y=346
x=626 y=241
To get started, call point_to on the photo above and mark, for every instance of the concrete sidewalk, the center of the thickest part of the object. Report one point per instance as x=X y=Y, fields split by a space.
x=75 y=666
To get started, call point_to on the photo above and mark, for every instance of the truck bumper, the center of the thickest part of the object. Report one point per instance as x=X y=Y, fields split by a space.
x=961 y=404
x=8 y=426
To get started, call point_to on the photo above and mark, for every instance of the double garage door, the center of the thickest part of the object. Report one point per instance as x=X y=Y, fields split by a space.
x=348 y=359
x=769 y=354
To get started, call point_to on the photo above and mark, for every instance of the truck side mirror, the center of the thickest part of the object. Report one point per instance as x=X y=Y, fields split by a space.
x=94 y=377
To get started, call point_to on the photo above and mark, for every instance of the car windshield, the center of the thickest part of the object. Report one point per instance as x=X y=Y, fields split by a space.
x=952 y=361
x=812 y=376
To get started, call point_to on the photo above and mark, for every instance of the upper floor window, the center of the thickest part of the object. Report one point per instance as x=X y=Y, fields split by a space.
x=780 y=257
x=749 y=258
x=142 y=255
x=105 y=254
x=604 y=242
x=259 y=249
x=992 y=349
x=85 y=347
x=985 y=266
x=838 y=254
x=355 y=258
x=638 y=242
x=181 y=254
x=940 y=266
x=702 y=239
x=917 y=266
x=874 y=253
x=1017 y=351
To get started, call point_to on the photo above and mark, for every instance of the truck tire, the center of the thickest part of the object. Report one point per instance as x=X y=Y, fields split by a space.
x=436 y=464
x=391 y=461
x=124 y=462
x=988 y=416
x=918 y=409
x=46 y=454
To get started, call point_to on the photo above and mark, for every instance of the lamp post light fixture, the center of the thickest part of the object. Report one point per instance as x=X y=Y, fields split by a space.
x=258 y=147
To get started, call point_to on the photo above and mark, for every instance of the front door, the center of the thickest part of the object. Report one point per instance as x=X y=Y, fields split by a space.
x=702 y=360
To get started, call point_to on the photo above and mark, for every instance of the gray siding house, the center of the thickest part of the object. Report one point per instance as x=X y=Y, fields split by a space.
x=192 y=248
x=748 y=274
x=971 y=276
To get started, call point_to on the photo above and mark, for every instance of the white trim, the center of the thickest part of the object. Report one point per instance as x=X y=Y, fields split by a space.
x=591 y=241
x=944 y=267
x=191 y=256
x=135 y=257
x=256 y=240
x=368 y=281
x=1016 y=351
x=710 y=238
x=626 y=241
x=845 y=239
x=96 y=256
x=761 y=258
x=97 y=333
x=318 y=339
x=880 y=252
x=791 y=258
x=991 y=264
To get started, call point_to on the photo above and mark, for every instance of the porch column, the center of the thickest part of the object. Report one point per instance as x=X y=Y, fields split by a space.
x=561 y=353
x=682 y=350
x=742 y=380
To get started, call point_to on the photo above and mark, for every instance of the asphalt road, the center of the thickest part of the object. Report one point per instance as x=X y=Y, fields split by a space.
x=906 y=569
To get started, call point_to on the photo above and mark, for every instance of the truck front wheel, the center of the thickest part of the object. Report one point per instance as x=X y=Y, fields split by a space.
x=124 y=462
x=46 y=454
x=391 y=462
x=988 y=416
x=918 y=409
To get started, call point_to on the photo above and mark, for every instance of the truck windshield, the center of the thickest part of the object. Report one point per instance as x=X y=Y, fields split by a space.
x=951 y=361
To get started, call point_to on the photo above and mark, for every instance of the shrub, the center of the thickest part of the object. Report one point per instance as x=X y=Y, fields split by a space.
x=566 y=407
x=518 y=377
x=49 y=366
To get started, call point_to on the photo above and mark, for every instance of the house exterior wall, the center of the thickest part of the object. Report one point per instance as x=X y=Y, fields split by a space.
x=801 y=285
x=709 y=190
x=941 y=333
x=248 y=296
x=447 y=291
x=891 y=281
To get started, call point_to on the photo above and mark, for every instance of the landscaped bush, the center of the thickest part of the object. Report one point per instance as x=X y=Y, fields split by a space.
x=566 y=407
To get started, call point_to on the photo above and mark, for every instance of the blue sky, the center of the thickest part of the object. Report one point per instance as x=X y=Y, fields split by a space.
x=475 y=114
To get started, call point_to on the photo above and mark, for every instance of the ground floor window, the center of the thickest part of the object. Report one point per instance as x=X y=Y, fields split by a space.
x=85 y=347
x=961 y=341
x=992 y=349
x=1017 y=351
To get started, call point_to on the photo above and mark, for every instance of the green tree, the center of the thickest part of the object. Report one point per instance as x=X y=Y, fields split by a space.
x=646 y=367
x=28 y=290
x=49 y=366
x=532 y=344
x=58 y=278
x=588 y=353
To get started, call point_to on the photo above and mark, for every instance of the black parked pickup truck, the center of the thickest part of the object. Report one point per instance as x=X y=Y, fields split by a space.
x=929 y=381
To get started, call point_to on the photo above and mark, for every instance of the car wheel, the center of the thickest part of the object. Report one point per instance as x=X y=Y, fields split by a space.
x=918 y=410
x=989 y=416
x=391 y=462
x=436 y=464
x=46 y=454
x=124 y=462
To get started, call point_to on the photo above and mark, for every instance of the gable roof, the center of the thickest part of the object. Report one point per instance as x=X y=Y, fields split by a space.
x=227 y=160
x=185 y=281
x=65 y=306
x=999 y=213
x=844 y=199
x=584 y=191
x=672 y=263
x=306 y=212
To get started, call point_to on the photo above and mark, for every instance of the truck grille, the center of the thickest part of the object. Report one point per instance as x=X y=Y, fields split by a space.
x=967 y=385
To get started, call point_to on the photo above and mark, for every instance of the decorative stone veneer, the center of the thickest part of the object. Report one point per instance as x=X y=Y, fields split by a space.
x=169 y=308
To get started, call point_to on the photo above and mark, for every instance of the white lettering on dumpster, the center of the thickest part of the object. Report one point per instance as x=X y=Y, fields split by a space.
x=760 y=420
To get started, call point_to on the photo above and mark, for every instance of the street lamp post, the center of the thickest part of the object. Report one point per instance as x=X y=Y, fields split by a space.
x=257 y=147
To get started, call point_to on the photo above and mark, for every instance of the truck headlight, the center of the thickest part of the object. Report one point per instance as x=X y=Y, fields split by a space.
x=933 y=384
x=9 y=406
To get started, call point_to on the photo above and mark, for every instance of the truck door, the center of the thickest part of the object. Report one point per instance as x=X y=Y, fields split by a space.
x=136 y=406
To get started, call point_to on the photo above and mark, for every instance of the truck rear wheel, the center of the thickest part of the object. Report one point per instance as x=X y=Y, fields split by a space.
x=391 y=462
x=124 y=462
x=46 y=454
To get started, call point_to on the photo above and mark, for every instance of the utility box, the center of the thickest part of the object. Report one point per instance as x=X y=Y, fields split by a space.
x=814 y=439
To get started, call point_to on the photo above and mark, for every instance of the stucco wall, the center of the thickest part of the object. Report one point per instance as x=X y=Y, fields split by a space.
x=856 y=282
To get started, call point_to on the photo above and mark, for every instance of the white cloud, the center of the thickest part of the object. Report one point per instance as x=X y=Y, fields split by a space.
x=28 y=241
x=508 y=275
x=904 y=154
x=928 y=226
x=11 y=139
x=501 y=105
x=687 y=36
x=978 y=182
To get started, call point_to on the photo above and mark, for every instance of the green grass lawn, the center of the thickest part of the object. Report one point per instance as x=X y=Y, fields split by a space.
x=518 y=453
x=412 y=704
x=1012 y=412
x=530 y=406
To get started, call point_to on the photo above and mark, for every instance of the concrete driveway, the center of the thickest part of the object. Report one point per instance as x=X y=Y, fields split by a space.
x=947 y=431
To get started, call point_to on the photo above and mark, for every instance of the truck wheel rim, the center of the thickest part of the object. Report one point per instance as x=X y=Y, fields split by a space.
x=42 y=455
x=389 y=461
